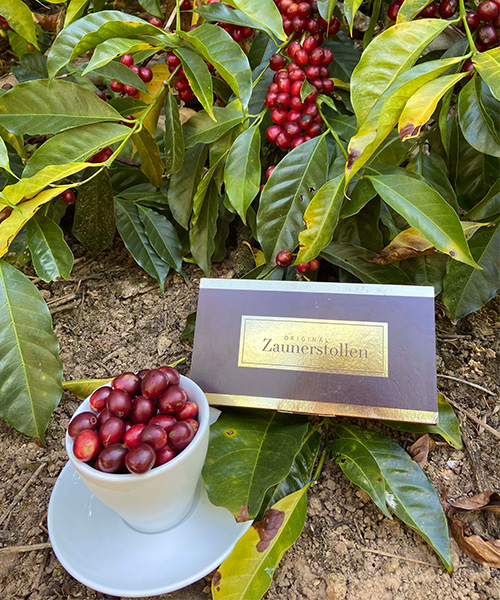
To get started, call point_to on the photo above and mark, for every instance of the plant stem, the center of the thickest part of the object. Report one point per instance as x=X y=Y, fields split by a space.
x=463 y=14
x=334 y=135
x=319 y=468
x=178 y=15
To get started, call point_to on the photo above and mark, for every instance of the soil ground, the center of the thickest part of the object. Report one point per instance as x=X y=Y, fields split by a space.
x=110 y=317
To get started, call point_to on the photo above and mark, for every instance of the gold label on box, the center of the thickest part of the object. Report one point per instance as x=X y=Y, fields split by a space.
x=351 y=347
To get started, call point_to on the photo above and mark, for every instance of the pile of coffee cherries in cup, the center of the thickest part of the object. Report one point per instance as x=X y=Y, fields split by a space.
x=139 y=422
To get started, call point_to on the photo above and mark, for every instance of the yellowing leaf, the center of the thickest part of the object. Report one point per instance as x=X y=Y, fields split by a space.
x=151 y=163
x=160 y=75
x=488 y=65
x=81 y=388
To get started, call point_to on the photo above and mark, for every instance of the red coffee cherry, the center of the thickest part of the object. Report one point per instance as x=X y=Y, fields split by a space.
x=302 y=57
x=100 y=94
x=284 y=258
x=127 y=60
x=98 y=399
x=297 y=141
x=269 y=170
x=283 y=141
x=155 y=21
x=180 y=436
x=309 y=44
x=272 y=133
x=473 y=20
x=112 y=431
x=142 y=410
x=128 y=382
x=172 y=400
x=487 y=11
x=392 y=11
x=132 y=436
x=112 y=459
x=155 y=436
x=145 y=74
x=165 y=421
x=165 y=455
x=87 y=445
x=429 y=11
x=101 y=156
x=171 y=374
x=119 y=403
x=103 y=416
x=68 y=197
x=448 y=8
x=303 y=268
x=154 y=384
x=314 y=264
x=292 y=49
x=487 y=35
x=140 y=458
x=116 y=86
x=468 y=66
x=277 y=62
x=293 y=130
x=188 y=411
x=82 y=421
x=279 y=116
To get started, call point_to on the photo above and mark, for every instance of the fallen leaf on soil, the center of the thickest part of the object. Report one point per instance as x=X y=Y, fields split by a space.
x=486 y=552
x=487 y=500
x=419 y=451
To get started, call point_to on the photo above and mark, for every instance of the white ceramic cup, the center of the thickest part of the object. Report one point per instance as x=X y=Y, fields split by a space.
x=160 y=498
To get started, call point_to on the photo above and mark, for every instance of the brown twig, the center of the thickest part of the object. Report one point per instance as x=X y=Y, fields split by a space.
x=390 y=555
x=58 y=309
x=474 y=385
x=27 y=548
x=18 y=497
x=475 y=419
x=60 y=301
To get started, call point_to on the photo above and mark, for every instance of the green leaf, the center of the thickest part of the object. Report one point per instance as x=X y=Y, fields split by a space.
x=488 y=65
x=221 y=12
x=204 y=188
x=162 y=236
x=219 y=49
x=325 y=8
x=410 y=9
x=242 y=174
x=50 y=254
x=393 y=52
x=152 y=7
x=30 y=367
x=384 y=114
x=32 y=66
x=115 y=70
x=94 y=222
x=188 y=331
x=408 y=492
x=90 y=31
x=321 y=217
x=351 y=7
x=81 y=388
x=174 y=140
x=111 y=49
x=183 y=184
x=427 y=211
x=134 y=237
x=422 y=104
x=75 y=10
x=434 y=170
x=466 y=289
x=248 y=572
x=301 y=472
x=362 y=229
x=4 y=156
x=149 y=155
x=75 y=145
x=489 y=206
x=19 y=17
x=353 y=259
x=203 y=231
x=358 y=198
x=199 y=77
x=347 y=56
x=285 y=196
x=448 y=426
x=42 y=106
x=200 y=128
x=265 y=13
x=243 y=445
x=476 y=110
x=427 y=270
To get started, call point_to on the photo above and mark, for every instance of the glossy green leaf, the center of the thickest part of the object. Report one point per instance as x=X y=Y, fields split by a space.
x=285 y=196
x=122 y=73
x=51 y=255
x=325 y=8
x=265 y=13
x=301 y=472
x=385 y=112
x=81 y=388
x=75 y=145
x=362 y=229
x=242 y=174
x=353 y=259
x=94 y=222
x=391 y=53
x=42 y=106
x=410 y=9
x=152 y=7
x=201 y=128
x=448 y=426
x=421 y=106
x=202 y=232
x=134 y=237
x=477 y=110
x=434 y=170
x=321 y=217
x=162 y=236
x=466 y=289
x=30 y=367
x=199 y=77
x=488 y=207
x=188 y=331
x=347 y=56
x=358 y=198
x=32 y=66
x=4 y=156
x=93 y=29
x=204 y=188
x=149 y=155
x=408 y=492
x=243 y=445
x=488 y=65
x=219 y=48
x=19 y=17
x=427 y=270
x=75 y=10
x=351 y=7
x=183 y=184
x=424 y=208
x=174 y=150
x=221 y=12
x=111 y=49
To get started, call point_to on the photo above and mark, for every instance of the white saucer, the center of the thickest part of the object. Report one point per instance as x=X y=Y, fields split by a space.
x=101 y=551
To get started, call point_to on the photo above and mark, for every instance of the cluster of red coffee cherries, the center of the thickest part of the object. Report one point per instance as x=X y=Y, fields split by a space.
x=235 y=31
x=140 y=422
x=284 y=259
x=297 y=120
x=485 y=19
x=144 y=73
x=303 y=16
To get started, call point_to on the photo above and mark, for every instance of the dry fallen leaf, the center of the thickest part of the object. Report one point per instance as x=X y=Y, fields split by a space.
x=487 y=500
x=486 y=552
x=419 y=451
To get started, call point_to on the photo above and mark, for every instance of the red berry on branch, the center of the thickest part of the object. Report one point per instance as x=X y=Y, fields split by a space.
x=116 y=86
x=130 y=90
x=327 y=57
x=487 y=10
x=316 y=56
x=294 y=116
x=392 y=11
x=312 y=72
x=284 y=258
x=292 y=49
x=297 y=141
x=101 y=156
x=301 y=57
x=327 y=85
x=314 y=130
x=172 y=61
x=296 y=103
x=429 y=11
x=270 y=100
x=468 y=66
x=279 y=116
x=448 y=8
x=247 y=32
x=127 y=60
x=100 y=94
x=277 y=62
x=272 y=133
x=283 y=141
x=282 y=100
x=135 y=69
x=312 y=25
x=487 y=35
x=145 y=74
x=186 y=95
x=303 y=268
x=155 y=21
x=309 y=44
x=297 y=75
x=68 y=197
x=269 y=170
x=293 y=130
x=295 y=88
x=314 y=264
x=333 y=26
